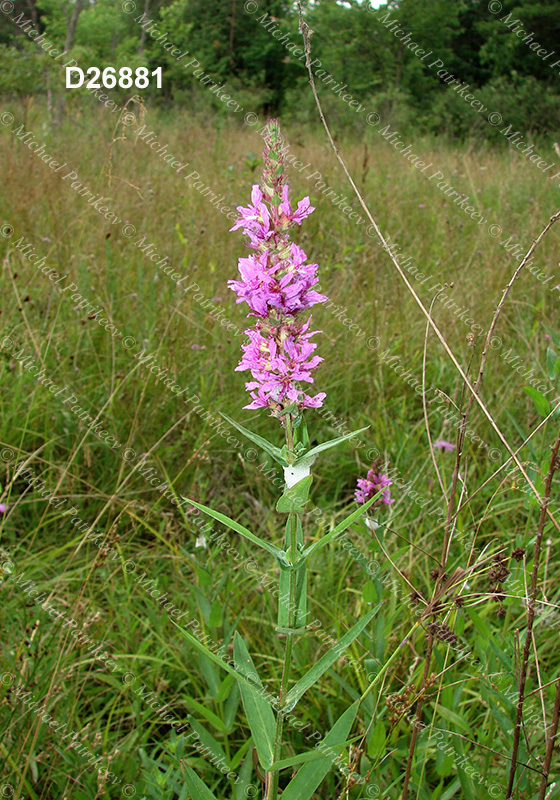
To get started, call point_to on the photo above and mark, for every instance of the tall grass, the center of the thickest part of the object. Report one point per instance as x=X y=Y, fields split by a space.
x=96 y=581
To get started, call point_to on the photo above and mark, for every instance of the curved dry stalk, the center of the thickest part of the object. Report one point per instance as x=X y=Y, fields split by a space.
x=307 y=33
x=554 y=465
x=509 y=460
x=425 y=405
x=450 y=517
x=550 y=742
x=473 y=389
x=21 y=307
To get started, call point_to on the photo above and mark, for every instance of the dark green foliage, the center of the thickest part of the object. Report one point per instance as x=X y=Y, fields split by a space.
x=252 y=51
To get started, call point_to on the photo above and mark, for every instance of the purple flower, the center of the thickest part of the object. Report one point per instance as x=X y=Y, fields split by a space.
x=371 y=485
x=441 y=444
x=277 y=285
x=3 y=508
x=255 y=218
x=304 y=209
x=276 y=367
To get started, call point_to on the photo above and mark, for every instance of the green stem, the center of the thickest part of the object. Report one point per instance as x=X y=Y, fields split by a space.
x=289 y=437
x=274 y=776
x=386 y=666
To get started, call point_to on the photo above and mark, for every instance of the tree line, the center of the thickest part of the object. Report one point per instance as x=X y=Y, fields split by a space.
x=411 y=61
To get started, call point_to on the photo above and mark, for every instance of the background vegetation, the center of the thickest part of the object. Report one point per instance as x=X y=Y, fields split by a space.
x=143 y=532
x=355 y=43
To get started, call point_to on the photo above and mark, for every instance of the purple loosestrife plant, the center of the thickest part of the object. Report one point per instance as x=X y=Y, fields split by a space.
x=374 y=483
x=277 y=285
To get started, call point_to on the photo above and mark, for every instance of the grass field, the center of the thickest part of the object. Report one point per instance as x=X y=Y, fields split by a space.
x=88 y=527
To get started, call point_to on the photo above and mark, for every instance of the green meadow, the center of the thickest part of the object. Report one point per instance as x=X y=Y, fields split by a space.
x=114 y=376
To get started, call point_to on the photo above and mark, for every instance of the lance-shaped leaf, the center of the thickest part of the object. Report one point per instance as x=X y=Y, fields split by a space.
x=292 y=594
x=241 y=529
x=284 y=583
x=212 y=656
x=257 y=709
x=208 y=715
x=309 y=777
x=196 y=787
x=296 y=496
x=312 y=755
x=312 y=454
x=326 y=661
x=301 y=583
x=552 y=363
x=341 y=527
x=540 y=401
x=265 y=445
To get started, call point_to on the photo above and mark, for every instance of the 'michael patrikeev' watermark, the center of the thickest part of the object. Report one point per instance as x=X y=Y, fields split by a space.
x=151 y=28
x=464 y=89
x=270 y=24
x=528 y=38
x=28 y=27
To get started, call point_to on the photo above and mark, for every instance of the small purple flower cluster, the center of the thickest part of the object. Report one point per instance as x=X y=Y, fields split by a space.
x=442 y=444
x=373 y=483
x=277 y=285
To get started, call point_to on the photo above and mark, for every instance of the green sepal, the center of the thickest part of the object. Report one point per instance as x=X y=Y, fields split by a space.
x=295 y=498
x=308 y=778
x=326 y=661
x=257 y=709
x=265 y=445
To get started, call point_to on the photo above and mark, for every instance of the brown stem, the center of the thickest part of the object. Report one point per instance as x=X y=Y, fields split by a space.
x=415 y=725
x=530 y=618
x=545 y=511
x=550 y=742
x=307 y=33
x=439 y=582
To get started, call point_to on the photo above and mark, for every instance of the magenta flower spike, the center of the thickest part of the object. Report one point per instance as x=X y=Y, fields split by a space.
x=373 y=483
x=277 y=285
